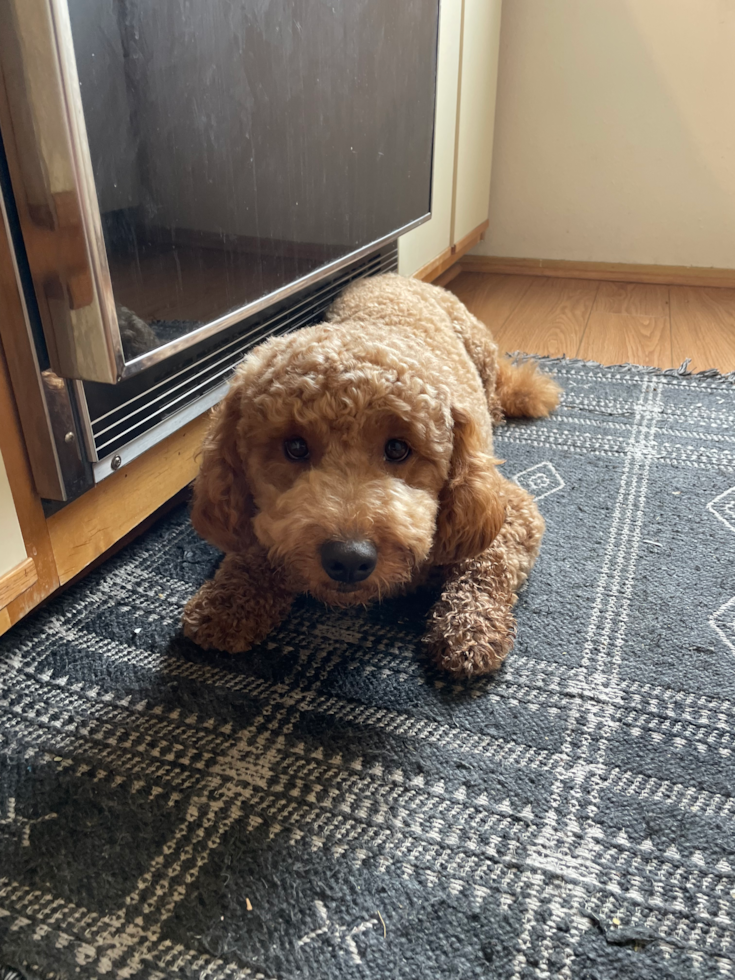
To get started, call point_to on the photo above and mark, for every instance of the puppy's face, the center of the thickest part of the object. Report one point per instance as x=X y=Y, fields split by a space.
x=347 y=494
x=347 y=460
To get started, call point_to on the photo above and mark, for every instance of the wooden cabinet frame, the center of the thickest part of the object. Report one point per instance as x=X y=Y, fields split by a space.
x=62 y=546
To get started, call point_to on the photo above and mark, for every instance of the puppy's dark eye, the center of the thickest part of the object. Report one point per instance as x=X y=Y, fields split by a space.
x=296 y=449
x=396 y=450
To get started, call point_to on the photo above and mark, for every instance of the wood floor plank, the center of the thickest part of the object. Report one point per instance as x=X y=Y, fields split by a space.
x=703 y=327
x=606 y=322
x=550 y=318
x=490 y=298
x=617 y=338
x=638 y=299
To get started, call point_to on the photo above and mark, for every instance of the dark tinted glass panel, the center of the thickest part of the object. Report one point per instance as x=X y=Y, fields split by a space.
x=239 y=145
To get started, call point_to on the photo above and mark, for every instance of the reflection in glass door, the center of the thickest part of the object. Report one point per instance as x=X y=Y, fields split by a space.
x=240 y=146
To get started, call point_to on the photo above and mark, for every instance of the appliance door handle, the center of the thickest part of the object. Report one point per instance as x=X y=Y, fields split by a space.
x=51 y=171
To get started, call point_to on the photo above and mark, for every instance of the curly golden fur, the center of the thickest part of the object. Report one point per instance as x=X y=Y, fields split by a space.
x=399 y=365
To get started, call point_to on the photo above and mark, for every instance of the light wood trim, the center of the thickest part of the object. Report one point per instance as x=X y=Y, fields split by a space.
x=446 y=277
x=432 y=270
x=87 y=527
x=672 y=275
x=16 y=581
x=27 y=506
x=471 y=239
x=27 y=503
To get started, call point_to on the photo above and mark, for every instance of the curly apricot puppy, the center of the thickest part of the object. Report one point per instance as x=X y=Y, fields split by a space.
x=351 y=457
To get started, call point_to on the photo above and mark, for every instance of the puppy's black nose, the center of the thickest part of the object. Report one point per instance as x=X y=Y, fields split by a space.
x=349 y=561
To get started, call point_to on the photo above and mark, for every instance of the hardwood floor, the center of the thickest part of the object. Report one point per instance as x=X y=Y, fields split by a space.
x=610 y=322
x=551 y=314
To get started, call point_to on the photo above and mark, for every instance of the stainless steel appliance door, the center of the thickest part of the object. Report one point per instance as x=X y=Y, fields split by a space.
x=182 y=164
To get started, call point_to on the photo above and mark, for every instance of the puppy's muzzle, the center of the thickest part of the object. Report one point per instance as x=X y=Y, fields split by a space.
x=349 y=561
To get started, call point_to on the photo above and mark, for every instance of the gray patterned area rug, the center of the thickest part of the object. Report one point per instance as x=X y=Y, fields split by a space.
x=331 y=807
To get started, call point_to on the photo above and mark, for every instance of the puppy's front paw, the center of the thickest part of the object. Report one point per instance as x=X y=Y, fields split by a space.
x=239 y=607
x=470 y=646
x=212 y=621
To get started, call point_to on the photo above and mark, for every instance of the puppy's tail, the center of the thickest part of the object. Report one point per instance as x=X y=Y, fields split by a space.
x=524 y=391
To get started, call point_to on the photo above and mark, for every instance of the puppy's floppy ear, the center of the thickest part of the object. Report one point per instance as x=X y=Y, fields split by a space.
x=223 y=507
x=471 y=508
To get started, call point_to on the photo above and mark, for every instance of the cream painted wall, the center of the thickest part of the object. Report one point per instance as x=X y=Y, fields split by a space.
x=12 y=549
x=615 y=132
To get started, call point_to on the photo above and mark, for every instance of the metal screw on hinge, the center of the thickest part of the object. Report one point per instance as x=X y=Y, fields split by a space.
x=69 y=437
x=116 y=462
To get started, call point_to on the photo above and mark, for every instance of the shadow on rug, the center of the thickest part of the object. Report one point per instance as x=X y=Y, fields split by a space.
x=329 y=806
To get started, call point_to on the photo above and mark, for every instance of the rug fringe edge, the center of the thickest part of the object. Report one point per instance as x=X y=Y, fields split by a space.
x=709 y=374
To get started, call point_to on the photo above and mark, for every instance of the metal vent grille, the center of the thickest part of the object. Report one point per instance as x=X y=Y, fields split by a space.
x=118 y=435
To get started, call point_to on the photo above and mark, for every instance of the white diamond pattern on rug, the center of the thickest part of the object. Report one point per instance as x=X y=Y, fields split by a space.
x=340 y=934
x=540 y=480
x=723 y=507
x=723 y=622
